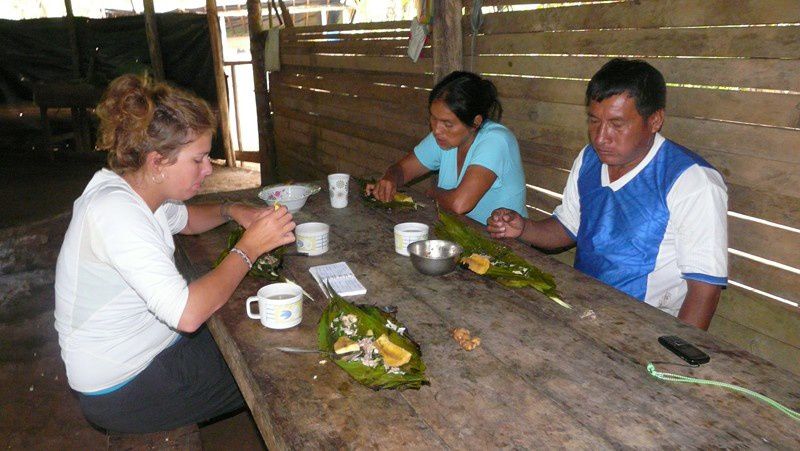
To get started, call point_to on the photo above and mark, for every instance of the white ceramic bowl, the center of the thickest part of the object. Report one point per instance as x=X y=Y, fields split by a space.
x=292 y=196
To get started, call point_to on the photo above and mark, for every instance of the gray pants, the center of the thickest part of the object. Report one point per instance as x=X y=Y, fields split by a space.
x=189 y=382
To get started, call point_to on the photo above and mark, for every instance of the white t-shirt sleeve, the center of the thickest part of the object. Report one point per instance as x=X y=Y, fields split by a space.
x=698 y=205
x=127 y=237
x=569 y=212
x=177 y=215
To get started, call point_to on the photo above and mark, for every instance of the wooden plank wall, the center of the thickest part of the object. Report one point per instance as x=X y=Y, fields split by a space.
x=347 y=99
x=733 y=97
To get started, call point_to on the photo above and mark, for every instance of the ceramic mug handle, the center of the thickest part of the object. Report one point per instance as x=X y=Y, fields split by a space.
x=250 y=313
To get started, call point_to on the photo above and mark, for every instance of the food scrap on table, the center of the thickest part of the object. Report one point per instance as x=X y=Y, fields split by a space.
x=462 y=336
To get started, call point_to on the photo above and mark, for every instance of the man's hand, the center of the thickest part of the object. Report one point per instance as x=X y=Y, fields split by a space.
x=505 y=223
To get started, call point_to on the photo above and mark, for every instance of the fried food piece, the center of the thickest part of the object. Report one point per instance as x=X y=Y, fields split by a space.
x=462 y=336
x=345 y=345
x=392 y=354
x=477 y=263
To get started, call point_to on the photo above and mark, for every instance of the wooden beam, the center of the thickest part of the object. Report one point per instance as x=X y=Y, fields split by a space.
x=266 y=127
x=153 y=44
x=73 y=40
x=287 y=17
x=220 y=82
x=448 y=47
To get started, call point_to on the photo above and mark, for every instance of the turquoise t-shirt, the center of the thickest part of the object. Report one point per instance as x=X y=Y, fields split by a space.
x=494 y=148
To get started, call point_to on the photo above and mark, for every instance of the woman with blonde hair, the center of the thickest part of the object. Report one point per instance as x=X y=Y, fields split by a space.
x=131 y=328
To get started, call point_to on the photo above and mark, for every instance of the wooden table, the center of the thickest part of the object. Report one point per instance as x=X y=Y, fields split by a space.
x=543 y=376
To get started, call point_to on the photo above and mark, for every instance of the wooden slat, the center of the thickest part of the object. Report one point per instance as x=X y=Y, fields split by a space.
x=769 y=206
x=406 y=110
x=345 y=37
x=772 y=243
x=542 y=201
x=296 y=31
x=373 y=63
x=763 y=277
x=362 y=131
x=349 y=48
x=762 y=315
x=357 y=85
x=775 y=351
x=757 y=42
x=642 y=14
x=420 y=81
x=749 y=107
x=746 y=73
x=546 y=177
x=364 y=112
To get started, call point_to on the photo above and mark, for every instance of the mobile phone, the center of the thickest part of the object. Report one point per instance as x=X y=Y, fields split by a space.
x=684 y=349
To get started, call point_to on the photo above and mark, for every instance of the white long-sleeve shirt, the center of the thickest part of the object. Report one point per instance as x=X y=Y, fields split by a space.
x=119 y=295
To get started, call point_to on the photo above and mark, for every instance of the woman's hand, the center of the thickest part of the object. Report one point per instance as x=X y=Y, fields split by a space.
x=268 y=230
x=505 y=223
x=245 y=214
x=384 y=190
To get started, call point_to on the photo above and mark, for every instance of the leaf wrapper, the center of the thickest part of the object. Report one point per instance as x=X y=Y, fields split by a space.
x=506 y=267
x=265 y=266
x=397 y=205
x=371 y=318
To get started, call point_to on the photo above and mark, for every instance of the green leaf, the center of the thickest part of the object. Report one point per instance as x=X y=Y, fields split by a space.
x=396 y=205
x=373 y=319
x=265 y=266
x=508 y=268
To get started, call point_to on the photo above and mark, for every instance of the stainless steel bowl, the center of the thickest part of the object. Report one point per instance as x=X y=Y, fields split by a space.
x=434 y=257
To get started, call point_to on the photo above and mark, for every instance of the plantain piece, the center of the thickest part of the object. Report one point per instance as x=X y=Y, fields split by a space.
x=345 y=345
x=392 y=354
x=477 y=263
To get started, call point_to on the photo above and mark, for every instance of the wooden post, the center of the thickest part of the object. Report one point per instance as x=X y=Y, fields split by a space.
x=220 y=82
x=153 y=44
x=448 y=49
x=268 y=155
x=73 y=40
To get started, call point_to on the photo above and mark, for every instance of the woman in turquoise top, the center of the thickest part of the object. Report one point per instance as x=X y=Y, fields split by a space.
x=477 y=158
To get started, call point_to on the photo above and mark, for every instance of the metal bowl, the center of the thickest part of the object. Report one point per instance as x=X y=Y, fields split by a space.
x=434 y=257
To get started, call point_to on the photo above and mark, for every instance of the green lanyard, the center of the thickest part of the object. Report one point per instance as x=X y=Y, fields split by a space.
x=669 y=377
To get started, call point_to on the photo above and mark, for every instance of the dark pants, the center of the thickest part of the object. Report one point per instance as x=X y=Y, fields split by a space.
x=186 y=383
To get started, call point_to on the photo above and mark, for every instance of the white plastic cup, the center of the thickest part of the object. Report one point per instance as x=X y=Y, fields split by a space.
x=312 y=238
x=280 y=305
x=407 y=233
x=338 y=185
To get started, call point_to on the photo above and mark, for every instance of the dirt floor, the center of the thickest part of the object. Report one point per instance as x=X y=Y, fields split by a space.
x=38 y=409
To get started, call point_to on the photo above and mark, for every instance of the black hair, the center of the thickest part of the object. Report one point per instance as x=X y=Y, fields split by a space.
x=643 y=82
x=467 y=95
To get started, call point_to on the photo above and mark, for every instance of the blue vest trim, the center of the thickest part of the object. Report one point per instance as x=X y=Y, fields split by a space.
x=721 y=281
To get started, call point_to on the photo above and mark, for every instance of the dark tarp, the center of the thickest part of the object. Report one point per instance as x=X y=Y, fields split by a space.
x=39 y=50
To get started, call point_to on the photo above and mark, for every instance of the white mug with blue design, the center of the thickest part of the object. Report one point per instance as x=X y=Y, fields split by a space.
x=280 y=305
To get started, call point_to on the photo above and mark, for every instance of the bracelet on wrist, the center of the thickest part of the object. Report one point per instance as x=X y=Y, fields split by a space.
x=225 y=210
x=244 y=257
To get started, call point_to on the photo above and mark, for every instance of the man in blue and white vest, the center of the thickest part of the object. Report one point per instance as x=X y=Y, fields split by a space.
x=647 y=215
